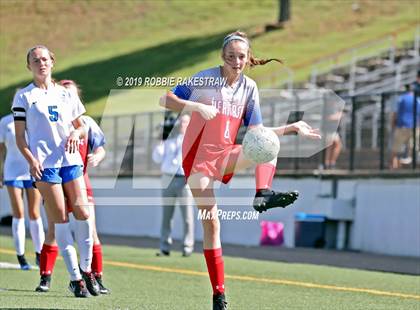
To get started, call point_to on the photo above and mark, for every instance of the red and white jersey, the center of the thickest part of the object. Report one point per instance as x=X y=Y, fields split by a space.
x=48 y=114
x=236 y=103
x=207 y=140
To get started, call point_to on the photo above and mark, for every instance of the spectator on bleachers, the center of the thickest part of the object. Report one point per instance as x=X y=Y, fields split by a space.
x=402 y=124
x=330 y=131
x=416 y=84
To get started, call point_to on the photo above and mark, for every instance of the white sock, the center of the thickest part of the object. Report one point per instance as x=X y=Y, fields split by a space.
x=84 y=238
x=18 y=230
x=37 y=234
x=67 y=250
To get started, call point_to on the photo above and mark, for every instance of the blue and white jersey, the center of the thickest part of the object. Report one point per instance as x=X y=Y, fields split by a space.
x=15 y=165
x=96 y=137
x=48 y=114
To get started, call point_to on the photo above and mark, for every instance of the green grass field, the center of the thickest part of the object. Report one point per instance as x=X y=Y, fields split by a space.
x=97 y=41
x=139 y=280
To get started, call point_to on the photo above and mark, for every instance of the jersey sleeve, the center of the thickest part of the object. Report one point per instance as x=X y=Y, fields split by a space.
x=96 y=137
x=77 y=106
x=184 y=91
x=2 y=130
x=19 y=107
x=252 y=115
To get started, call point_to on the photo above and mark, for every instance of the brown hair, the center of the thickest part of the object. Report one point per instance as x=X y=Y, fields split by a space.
x=252 y=61
x=52 y=56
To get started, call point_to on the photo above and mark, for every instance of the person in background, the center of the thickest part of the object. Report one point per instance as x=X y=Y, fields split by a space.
x=168 y=153
x=402 y=124
x=15 y=176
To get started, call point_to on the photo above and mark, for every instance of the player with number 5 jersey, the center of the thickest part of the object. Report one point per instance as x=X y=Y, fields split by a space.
x=50 y=115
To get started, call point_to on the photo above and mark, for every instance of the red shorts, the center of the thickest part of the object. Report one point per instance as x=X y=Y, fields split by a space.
x=212 y=161
x=89 y=193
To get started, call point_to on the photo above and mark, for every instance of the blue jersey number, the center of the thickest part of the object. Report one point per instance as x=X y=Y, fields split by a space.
x=53 y=113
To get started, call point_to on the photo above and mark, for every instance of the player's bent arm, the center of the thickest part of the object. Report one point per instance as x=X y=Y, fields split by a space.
x=79 y=128
x=280 y=131
x=284 y=130
x=97 y=156
x=300 y=127
x=34 y=165
x=79 y=132
x=176 y=104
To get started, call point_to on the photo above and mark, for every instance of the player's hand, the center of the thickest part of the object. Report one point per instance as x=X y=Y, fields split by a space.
x=93 y=160
x=304 y=130
x=35 y=168
x=208 y=112
x=1 y=183
x=73 y=142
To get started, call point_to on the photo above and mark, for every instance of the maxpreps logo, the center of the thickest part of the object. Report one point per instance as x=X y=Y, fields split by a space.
x=224 y=215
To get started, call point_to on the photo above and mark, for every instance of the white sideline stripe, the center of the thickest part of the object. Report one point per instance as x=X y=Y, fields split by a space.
x=4 y=265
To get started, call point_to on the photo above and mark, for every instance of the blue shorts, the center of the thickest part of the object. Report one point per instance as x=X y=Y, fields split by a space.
x=19 y=183
x=61 y=175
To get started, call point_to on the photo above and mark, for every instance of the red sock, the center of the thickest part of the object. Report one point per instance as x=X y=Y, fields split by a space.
x=48 y=257
x=216 y=269
x=264 y=174
x=97 y=260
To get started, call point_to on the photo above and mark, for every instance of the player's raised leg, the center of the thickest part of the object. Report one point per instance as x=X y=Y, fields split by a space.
x=265 y=198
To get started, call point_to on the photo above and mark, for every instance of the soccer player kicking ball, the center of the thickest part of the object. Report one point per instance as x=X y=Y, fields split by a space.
x=51 y=117
x=209 y=152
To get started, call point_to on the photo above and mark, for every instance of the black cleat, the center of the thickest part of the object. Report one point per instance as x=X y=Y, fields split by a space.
x=37 y=258
x=163 y=253
x=78 y=288
x=267 y=199
x=102 y=289
x=91 y=284
x=24 y=265
x=219 y=302
x=44 y=284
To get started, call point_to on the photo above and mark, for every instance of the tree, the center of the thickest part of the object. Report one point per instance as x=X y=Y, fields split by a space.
x=284 y=13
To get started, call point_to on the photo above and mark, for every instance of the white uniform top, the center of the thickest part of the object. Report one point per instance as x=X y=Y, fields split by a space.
x=169 y=155
x=15 y=165
x=49 y=114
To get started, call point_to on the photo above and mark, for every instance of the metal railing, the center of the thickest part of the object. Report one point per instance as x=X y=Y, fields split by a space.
x=364 y=128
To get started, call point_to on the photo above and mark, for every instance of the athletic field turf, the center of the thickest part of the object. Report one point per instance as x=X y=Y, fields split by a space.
x=139 y=280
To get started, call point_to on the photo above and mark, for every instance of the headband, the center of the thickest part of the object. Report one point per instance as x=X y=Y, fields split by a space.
x=230 y=38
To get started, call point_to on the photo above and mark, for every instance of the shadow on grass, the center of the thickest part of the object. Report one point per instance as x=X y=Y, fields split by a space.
x=96 y=79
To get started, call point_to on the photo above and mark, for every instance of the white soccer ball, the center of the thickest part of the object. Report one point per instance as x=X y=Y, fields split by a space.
x=261 y=145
